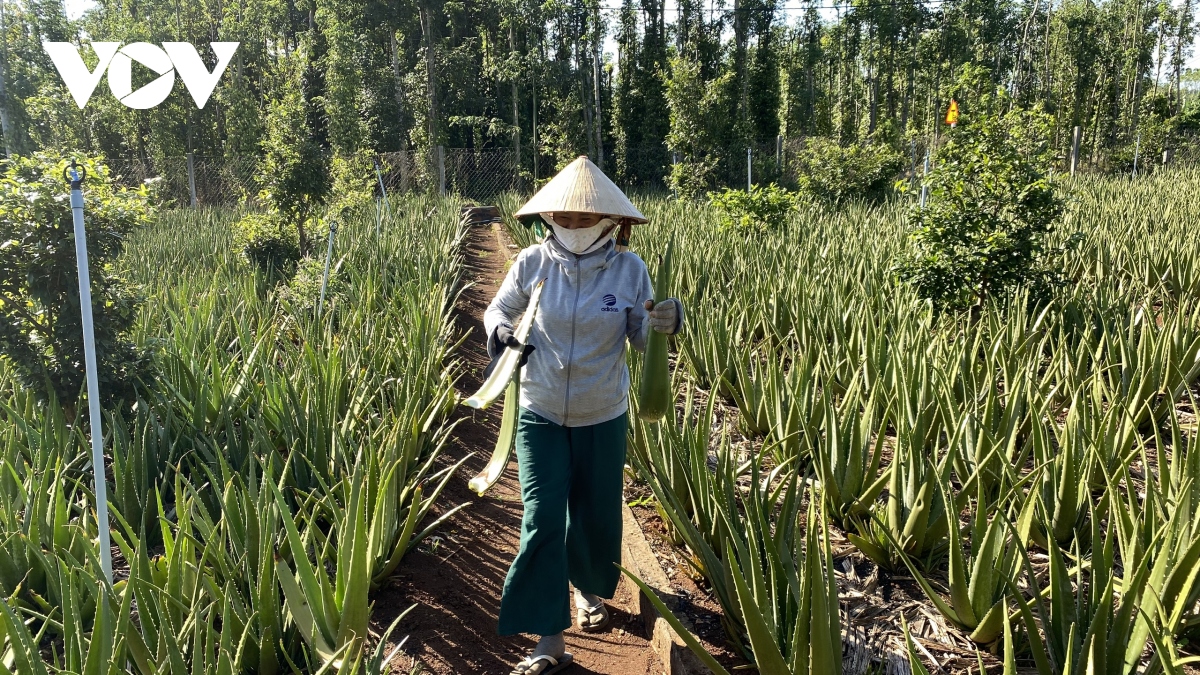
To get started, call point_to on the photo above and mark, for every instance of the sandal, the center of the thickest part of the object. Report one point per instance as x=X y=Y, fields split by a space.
x=533 y=665
x=592 y=620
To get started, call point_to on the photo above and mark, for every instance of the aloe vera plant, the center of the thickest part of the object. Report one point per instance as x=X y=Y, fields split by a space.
x=848 y=458
x=787 y=598
x=914 y=520
x=1087 y=620
x=978 y=576
x=1065 y=417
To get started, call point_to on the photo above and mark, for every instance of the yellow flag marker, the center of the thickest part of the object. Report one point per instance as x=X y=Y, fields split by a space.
x=952 y=113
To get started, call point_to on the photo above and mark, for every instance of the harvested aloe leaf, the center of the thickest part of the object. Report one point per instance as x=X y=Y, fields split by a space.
x=654 y=391
x=510 y=361
x=504 y=442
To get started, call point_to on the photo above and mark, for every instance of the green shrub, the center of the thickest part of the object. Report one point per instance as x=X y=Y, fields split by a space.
x=833 y=173
x=295 y=173
x=353 y=180
x=303 y=292
x=760 y=208
x=690 y=179
x=269 y=243
x=990 y=206
x=41 y=330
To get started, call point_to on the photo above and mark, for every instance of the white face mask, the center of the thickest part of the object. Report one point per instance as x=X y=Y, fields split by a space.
x=581 y=240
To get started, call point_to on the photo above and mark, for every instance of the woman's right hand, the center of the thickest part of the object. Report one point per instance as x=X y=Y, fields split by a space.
x=504 y=336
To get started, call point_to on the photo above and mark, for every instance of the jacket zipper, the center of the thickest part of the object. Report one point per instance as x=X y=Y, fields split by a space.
x=571 y=351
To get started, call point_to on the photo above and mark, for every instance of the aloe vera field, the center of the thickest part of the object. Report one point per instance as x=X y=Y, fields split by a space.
x=277 y=471
x=1024 y=473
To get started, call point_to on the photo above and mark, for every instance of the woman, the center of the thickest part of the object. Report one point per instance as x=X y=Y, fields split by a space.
x=571 y=427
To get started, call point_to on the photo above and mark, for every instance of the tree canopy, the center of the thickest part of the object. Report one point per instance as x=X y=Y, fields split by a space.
x=634 y=84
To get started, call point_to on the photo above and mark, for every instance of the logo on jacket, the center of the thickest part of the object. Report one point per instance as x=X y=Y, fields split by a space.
x=609 y=301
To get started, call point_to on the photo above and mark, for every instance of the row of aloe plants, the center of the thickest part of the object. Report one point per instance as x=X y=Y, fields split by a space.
x=272 y=475
x=950 y=448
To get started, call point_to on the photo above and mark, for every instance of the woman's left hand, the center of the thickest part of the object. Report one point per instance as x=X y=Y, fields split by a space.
x=664 y=317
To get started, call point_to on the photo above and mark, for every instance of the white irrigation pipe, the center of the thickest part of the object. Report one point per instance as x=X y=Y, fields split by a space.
x=328 y=257
x=749 y=170
x=89 y=359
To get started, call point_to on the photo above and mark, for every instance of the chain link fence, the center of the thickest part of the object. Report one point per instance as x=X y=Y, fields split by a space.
x=215 y=181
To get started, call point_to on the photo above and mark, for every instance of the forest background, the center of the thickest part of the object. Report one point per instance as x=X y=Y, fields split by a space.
x=637 y=85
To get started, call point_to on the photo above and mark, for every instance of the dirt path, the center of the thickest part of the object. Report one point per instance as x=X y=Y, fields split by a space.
x=457 y=577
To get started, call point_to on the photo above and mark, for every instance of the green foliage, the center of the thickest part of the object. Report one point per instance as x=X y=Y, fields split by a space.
x=268 y=243
x=757 y=209
x=483 y=75
x=1156 y=132
x=835 y=173
x=270 y=478
x=693 y=177
x=41 y=331
x=696 y=125
x=990 y=207
x=295 y=175
x=353 y=180
x=304 y=290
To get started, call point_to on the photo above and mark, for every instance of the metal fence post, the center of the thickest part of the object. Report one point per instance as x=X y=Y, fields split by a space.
x=1137 y=147
x=191 y=167
x=328 y=258
x=924 y=185
x=1075 y=149
x=749 y=169
x=441 y=170
x=380 y=200
x=89 y=359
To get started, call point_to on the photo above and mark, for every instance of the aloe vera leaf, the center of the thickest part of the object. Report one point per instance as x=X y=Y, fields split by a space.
x=505 y=442
x=355 y=613
x=26 y=656
x=510 y=360
x=301 y=610
x=654 y=389
x=914 y=662
x=673 y=621
x=767 y=656
x=1010 y=646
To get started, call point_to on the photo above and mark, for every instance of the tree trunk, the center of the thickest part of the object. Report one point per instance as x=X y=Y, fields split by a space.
x=596 y=116
x=576 y=36
x=398 y=80
x=4 y=118
x=430 y=76
x=740 y=37
x=512 y=50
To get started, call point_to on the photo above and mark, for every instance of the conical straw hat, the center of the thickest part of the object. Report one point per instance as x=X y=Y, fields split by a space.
x=582 y=187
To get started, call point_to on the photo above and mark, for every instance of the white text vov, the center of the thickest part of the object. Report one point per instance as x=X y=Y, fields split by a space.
x=171 y=58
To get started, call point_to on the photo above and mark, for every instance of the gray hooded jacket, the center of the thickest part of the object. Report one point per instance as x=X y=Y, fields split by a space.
x=590 y=304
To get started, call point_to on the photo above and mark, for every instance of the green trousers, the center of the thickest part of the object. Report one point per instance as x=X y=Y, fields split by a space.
x=571 y=479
